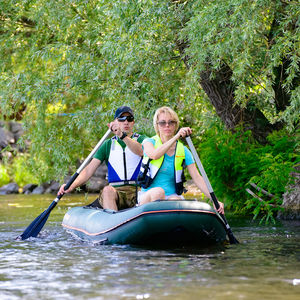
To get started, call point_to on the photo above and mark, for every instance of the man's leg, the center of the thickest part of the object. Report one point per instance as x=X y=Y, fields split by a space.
x=108 y=198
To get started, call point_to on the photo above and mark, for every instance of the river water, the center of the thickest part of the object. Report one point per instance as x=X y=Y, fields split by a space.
x=265 y=265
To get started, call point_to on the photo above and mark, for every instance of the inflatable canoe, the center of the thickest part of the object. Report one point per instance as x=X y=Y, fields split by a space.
x=180 y=222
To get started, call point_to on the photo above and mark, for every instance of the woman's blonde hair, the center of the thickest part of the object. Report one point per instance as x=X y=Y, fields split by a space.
x=166 y=110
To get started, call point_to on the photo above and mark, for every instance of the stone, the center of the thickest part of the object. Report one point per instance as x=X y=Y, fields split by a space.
x=16 y=129
x=39 y=190
x=96 y=184
x=53 y=188
x=101 y=171
x=28 y=188
x=10 y=188
x=6 y=138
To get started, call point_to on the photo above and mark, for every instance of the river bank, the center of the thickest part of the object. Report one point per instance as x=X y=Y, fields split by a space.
x=10 y=132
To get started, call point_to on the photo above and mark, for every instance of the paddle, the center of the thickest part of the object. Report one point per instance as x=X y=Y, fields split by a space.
x=36 y=226
x=231 y=237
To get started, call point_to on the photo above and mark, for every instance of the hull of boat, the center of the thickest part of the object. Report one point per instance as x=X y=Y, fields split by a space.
x=179 y=222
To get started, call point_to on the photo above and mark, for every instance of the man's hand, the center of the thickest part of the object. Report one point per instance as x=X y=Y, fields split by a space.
x=115 y=128
x=63 y=191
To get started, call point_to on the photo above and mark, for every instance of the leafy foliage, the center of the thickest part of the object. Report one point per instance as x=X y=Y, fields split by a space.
x=233 y=160
x=87 y=58
x=4 y=177
x=20 y=173
x=253 y=38
x=66 y=65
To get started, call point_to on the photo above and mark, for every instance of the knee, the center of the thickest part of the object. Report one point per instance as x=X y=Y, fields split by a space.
x=109 y=197
x=108 y=190
x=159 y=193
x=153 y=194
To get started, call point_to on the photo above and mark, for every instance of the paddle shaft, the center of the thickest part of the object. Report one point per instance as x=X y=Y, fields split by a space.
x=36 y=225
x=84 y=164
x=231 y=237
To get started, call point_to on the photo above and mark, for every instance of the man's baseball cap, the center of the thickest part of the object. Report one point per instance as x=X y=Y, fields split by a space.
x=123 y=109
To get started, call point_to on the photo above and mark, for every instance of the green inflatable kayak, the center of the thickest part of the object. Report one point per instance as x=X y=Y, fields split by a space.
x=180 y=222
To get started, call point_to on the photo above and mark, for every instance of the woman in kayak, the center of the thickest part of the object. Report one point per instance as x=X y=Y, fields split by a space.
x=165 y=157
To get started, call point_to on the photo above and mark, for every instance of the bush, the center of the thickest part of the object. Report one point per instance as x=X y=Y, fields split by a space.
x=4 y=177
x=233 y=160
x=276 y=162
x=21 y=174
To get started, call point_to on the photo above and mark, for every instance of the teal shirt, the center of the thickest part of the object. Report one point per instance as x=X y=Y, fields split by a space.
x=165 y=177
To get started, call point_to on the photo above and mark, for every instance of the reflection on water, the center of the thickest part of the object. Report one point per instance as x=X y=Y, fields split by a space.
x=265 y=265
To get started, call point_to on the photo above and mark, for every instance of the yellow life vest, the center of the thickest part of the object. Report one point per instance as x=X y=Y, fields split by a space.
x=149 y=168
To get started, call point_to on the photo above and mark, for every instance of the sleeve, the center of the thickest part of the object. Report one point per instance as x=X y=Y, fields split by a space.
x=103 y=152
x=148 y=140
x=188 y=156
x=141 y=138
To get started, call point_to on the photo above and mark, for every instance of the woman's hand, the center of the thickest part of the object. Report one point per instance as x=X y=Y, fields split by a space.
x=183 y=132
x=221 y=208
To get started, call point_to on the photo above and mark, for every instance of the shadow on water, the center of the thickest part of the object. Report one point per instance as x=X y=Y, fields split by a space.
x=265 y=265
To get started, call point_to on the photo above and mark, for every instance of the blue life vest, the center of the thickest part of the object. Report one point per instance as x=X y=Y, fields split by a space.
x=123 y=165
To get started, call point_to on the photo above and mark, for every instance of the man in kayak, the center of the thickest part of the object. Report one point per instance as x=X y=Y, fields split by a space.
x=122 y=155
x=162 y=170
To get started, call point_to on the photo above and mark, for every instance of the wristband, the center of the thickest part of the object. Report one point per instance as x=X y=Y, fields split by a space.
x=123 y=136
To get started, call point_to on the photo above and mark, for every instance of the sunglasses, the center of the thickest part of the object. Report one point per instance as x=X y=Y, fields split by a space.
x=128 y=118
x=164 y=123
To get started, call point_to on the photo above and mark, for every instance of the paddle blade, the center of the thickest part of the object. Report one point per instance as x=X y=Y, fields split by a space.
x=36 y=226
x=232 y=239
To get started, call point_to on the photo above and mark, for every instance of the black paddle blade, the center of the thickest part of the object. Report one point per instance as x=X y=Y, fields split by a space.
x=232 y=239
x=36 y=226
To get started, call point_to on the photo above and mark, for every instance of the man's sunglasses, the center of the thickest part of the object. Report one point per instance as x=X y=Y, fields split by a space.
x=128 y=118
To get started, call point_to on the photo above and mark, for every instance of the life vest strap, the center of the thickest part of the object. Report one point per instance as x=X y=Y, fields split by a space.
x=124 y=182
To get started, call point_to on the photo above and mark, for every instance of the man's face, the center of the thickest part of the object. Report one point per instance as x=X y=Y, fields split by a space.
x=126 y=125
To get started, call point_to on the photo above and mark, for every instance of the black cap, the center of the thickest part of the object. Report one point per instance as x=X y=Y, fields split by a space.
x=123 y=109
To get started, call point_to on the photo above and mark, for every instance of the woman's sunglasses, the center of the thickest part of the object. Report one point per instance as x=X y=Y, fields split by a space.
x=164 y=123
x=128 y=118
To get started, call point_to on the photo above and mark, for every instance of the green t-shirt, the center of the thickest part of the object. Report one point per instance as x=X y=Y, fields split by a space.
x=103 y=152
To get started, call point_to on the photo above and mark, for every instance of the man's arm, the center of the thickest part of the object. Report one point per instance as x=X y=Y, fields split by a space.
x=83 y=177
x=133 y=145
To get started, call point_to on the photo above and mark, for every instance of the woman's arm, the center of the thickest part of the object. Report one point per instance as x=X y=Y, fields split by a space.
x=199 y=181
x=156 y=153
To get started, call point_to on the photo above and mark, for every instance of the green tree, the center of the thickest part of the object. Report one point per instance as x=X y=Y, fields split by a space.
x=246 y=57
x=85 y=58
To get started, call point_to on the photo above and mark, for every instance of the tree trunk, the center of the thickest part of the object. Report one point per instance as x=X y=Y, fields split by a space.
x=220 y=93
x=220 y=90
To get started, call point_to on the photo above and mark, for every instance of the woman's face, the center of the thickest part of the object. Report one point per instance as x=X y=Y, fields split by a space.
x=166 y=125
